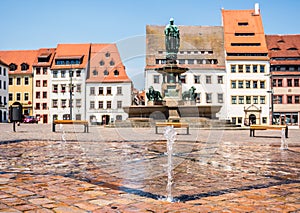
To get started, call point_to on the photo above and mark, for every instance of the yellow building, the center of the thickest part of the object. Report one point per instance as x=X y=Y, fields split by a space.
x=20 y=72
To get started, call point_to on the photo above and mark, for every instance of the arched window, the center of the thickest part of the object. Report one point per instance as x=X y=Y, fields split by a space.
x=24 y=66
x=12 y=67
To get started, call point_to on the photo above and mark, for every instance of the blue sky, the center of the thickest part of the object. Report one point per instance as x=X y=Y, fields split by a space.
x=33 y=24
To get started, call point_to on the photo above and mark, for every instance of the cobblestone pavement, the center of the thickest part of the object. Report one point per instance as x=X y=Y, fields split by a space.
x=124 y=170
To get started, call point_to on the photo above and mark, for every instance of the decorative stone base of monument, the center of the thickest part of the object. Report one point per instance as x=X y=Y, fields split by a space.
x=171 y=102
x=189 y=103
x=154 y=103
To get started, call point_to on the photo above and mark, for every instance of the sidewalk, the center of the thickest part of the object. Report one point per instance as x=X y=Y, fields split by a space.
x=124 y=170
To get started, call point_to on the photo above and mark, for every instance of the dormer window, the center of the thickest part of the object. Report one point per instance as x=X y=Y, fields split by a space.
x=107 y=54
x=12 y=67
x=116 y=72
x=111 y=63
x=292 y=48
x=244 y=23
x=101 y=63
x=280 y=41
x=95 y=72
x=105 y=72
x=275 y=49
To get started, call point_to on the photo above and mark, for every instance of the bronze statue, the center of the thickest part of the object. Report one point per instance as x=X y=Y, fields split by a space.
x=172 y=41
x=153 y=95
x=189 y=95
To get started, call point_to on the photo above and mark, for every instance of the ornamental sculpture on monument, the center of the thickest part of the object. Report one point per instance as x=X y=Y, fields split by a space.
x=172 y=41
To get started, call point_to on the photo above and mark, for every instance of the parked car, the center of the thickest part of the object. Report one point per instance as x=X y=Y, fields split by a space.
x=30 y=119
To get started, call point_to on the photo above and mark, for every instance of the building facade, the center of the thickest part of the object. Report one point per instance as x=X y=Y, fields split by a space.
x=42 y=84
x=20 y=77
x=3 y=92
x=202 y=52
x=108 y=88
x=247 y=67
x=285 y=75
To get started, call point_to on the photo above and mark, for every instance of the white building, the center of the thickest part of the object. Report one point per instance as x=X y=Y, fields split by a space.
x=69 y=65
x=108 y=88
x=3 y=92
x=247 y=67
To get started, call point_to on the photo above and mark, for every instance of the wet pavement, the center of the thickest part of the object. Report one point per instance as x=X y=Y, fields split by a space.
x=125 y=170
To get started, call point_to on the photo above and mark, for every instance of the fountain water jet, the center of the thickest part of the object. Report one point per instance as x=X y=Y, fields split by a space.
x=170 y=134
x=284 y=145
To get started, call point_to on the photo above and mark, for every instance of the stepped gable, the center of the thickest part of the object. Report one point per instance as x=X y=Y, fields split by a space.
x=22 y=59
x=71 y=52
x=105 y=65
x=44 y=57
x=242 y=27
x=284 y=46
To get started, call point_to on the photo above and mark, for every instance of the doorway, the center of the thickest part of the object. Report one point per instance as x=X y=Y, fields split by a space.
x=45 y=118
x=105 y=119
x=252 y=119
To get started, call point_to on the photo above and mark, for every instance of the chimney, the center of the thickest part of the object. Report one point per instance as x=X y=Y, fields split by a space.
x=256 y=9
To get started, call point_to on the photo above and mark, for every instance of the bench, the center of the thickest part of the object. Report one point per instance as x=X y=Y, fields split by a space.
x=265 y=127
x=76 y=122
x=174 y=124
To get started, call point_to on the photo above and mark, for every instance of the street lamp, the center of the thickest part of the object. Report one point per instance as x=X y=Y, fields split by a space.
x=71 y=92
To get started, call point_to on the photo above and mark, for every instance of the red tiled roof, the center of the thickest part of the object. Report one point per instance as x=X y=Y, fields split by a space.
x=44 y=53
x=233 y=23
x=105 y=57
x=19 y=57
x=284 y=46
x=71 y=51
x=3 y=63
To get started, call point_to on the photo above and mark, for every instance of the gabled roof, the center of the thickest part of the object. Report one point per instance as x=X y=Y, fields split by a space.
x=19 y=57
x=284 y=46
x=243 y=22
x=71 y=51
x=45 y=53
x=3 y=63
x=193 y=39
x=106 y=65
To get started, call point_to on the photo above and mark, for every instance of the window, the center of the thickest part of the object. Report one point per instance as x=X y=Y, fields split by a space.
x=63 y=88
x=241 y=84
x=26 y=96
x=255 y=84
x=63 y=73
x=92 y=90
x=289 y=99
x=190 y=61
x=119 y=104
x=18 y=96
x=208 y=97
x=111 y=63
x=255 y=68
x=37 y=95
x=108 y=105
x=101 y=63
x=37 y=106
x=44 y=83
x=220 y=98
x=233 y=99
x=289 y=82
x=12 y=67
x=10 y=81
x=277 y=99
x=240 y=120
x=197 y=79
x=10 y=96
x=181 y=61
x=119 y=117
x=105 y=73
x=100 y=104
x=108 y=91
x=156 y=79
x=55 y=88
x=248 y=84
x=38 y=70
x=45 y=106
x=44 y=94
x=78 y=73
x=208 y=79
x=264 y=120
x=78 y=117
x=100 y=91
x=119 y=90
x=241 y=99
x=242 y=23
x=116 y=73
x=241 y=68
x=78 y=87
x=54 y=103
x=63 y=103
x=255 y=99
x=95 y=72
x=183 y=79
x=44 y=70
x=248 y=99
x=262 y=84
x=233 y=68
x=233 y=84
x=262 y=99
x=55 y=74
x=78 y=102
x=262 y=68
x=18 y=81
x=38 y=83
x=92 y=104
x=26 y=81
x=107 y=54
x=279 y=82
x=296 y=82
x=198 y=97
x=247 y=68
x=297 y=99
x=233 y=120
x=24 y=67
x=220 y=79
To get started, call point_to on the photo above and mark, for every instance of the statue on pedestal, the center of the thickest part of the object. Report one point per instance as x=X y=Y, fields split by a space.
x=172 y=41
x=153 y=95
